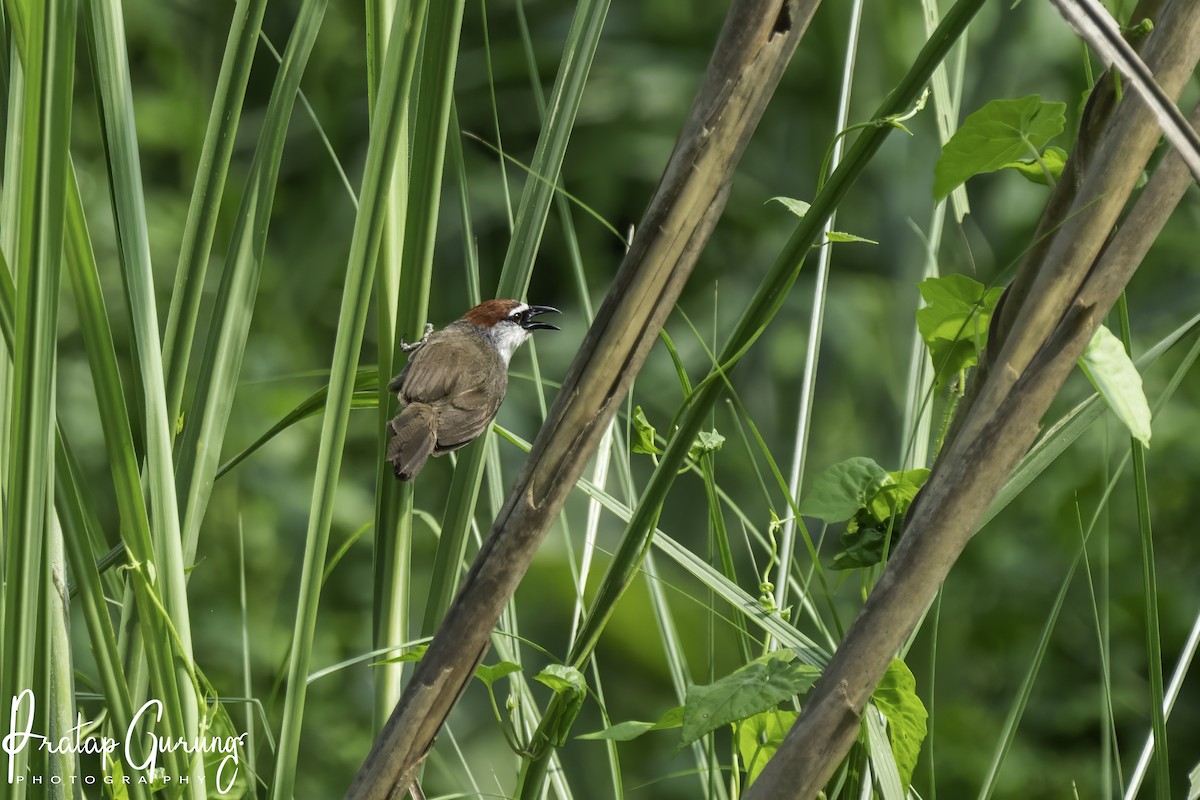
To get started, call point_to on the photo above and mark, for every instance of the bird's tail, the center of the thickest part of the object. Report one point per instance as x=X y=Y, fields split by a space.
x=414 y=434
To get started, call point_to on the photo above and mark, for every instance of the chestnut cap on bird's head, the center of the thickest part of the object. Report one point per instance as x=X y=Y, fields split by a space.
x=508 y=323
x=493 y=312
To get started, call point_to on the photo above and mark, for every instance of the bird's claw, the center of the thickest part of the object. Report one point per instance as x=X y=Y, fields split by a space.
x=408 y=348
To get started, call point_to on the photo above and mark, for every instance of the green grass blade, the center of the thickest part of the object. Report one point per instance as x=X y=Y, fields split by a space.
x=76 y=522
x=382 y=152
x=106 y=37
x=391 y=554
x=201 y=225
x=1154 y=656
x=430 y=121
x=580 y=49
x=79 y=530
x=365 y=396
x=1181 y=671
x=787 y=542
x=45 y=130
x=206 y=420
x=120 y=449
x=1008 y=732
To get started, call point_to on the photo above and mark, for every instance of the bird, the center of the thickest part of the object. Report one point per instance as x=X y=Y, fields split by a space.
x=455 y=380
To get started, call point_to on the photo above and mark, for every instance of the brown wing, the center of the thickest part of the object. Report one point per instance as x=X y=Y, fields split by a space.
x=431 y=374
x=465 y=415
x=464 y=384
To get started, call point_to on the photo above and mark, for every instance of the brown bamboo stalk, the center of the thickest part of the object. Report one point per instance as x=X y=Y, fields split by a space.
x=755 y=44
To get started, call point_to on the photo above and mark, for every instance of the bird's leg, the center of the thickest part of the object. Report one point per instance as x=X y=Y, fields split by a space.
x=408 y=348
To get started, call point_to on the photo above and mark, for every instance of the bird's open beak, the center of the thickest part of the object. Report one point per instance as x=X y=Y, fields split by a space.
x=530 y=324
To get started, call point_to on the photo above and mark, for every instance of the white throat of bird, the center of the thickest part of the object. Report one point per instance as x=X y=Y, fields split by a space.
x=508 y=336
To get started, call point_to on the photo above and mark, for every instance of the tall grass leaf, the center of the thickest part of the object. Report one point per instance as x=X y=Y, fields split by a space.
x=429 y=120
x=207 y=192
x=122 y=454
x=106 y=37
x=220 y=367
x=390 y=607
x=45 y=129
x=382 y=152
x=75 y=520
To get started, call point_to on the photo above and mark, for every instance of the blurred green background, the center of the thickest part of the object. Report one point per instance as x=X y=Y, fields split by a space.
x=645 y=74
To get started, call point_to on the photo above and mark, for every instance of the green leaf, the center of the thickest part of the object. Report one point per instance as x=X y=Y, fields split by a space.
x=797 y=207
x=414 y=655
x=759 y=736
x=839 y=236
x=621 y=732
x=1112 y=372
x=895 y=496
x=759 y=686
x=994 y=136
x=672 y=718
x=1194 y=780
x=954 y=323
x=841 y=490
x=643 y=434
x=562 y=679
x=1052 y=158
x=625 y=731
x=493 y=673
x=570 y=683
x=896 y=698
x=862 y=547
x=706 y=442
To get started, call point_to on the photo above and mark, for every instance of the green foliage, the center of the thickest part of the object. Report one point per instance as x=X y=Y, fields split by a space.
x=569 y=684
x=645 y=442
x=896 y=698
x=759 y=736
x=413 y=656
x=800 y=208
x=1045 y=168
x=226 y=775
x=627 y=731
x=954 y=322
x=1111 y=370
x=835 y=237
x=489 y=674
x=870 y=499
x=705 y=442
x=643 y=435
x=838 y=492
x=797 y=207
x=745 y=698
x=993 y=137
x=756 y=687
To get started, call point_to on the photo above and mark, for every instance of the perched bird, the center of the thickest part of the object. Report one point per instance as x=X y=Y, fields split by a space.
x=452 y=386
